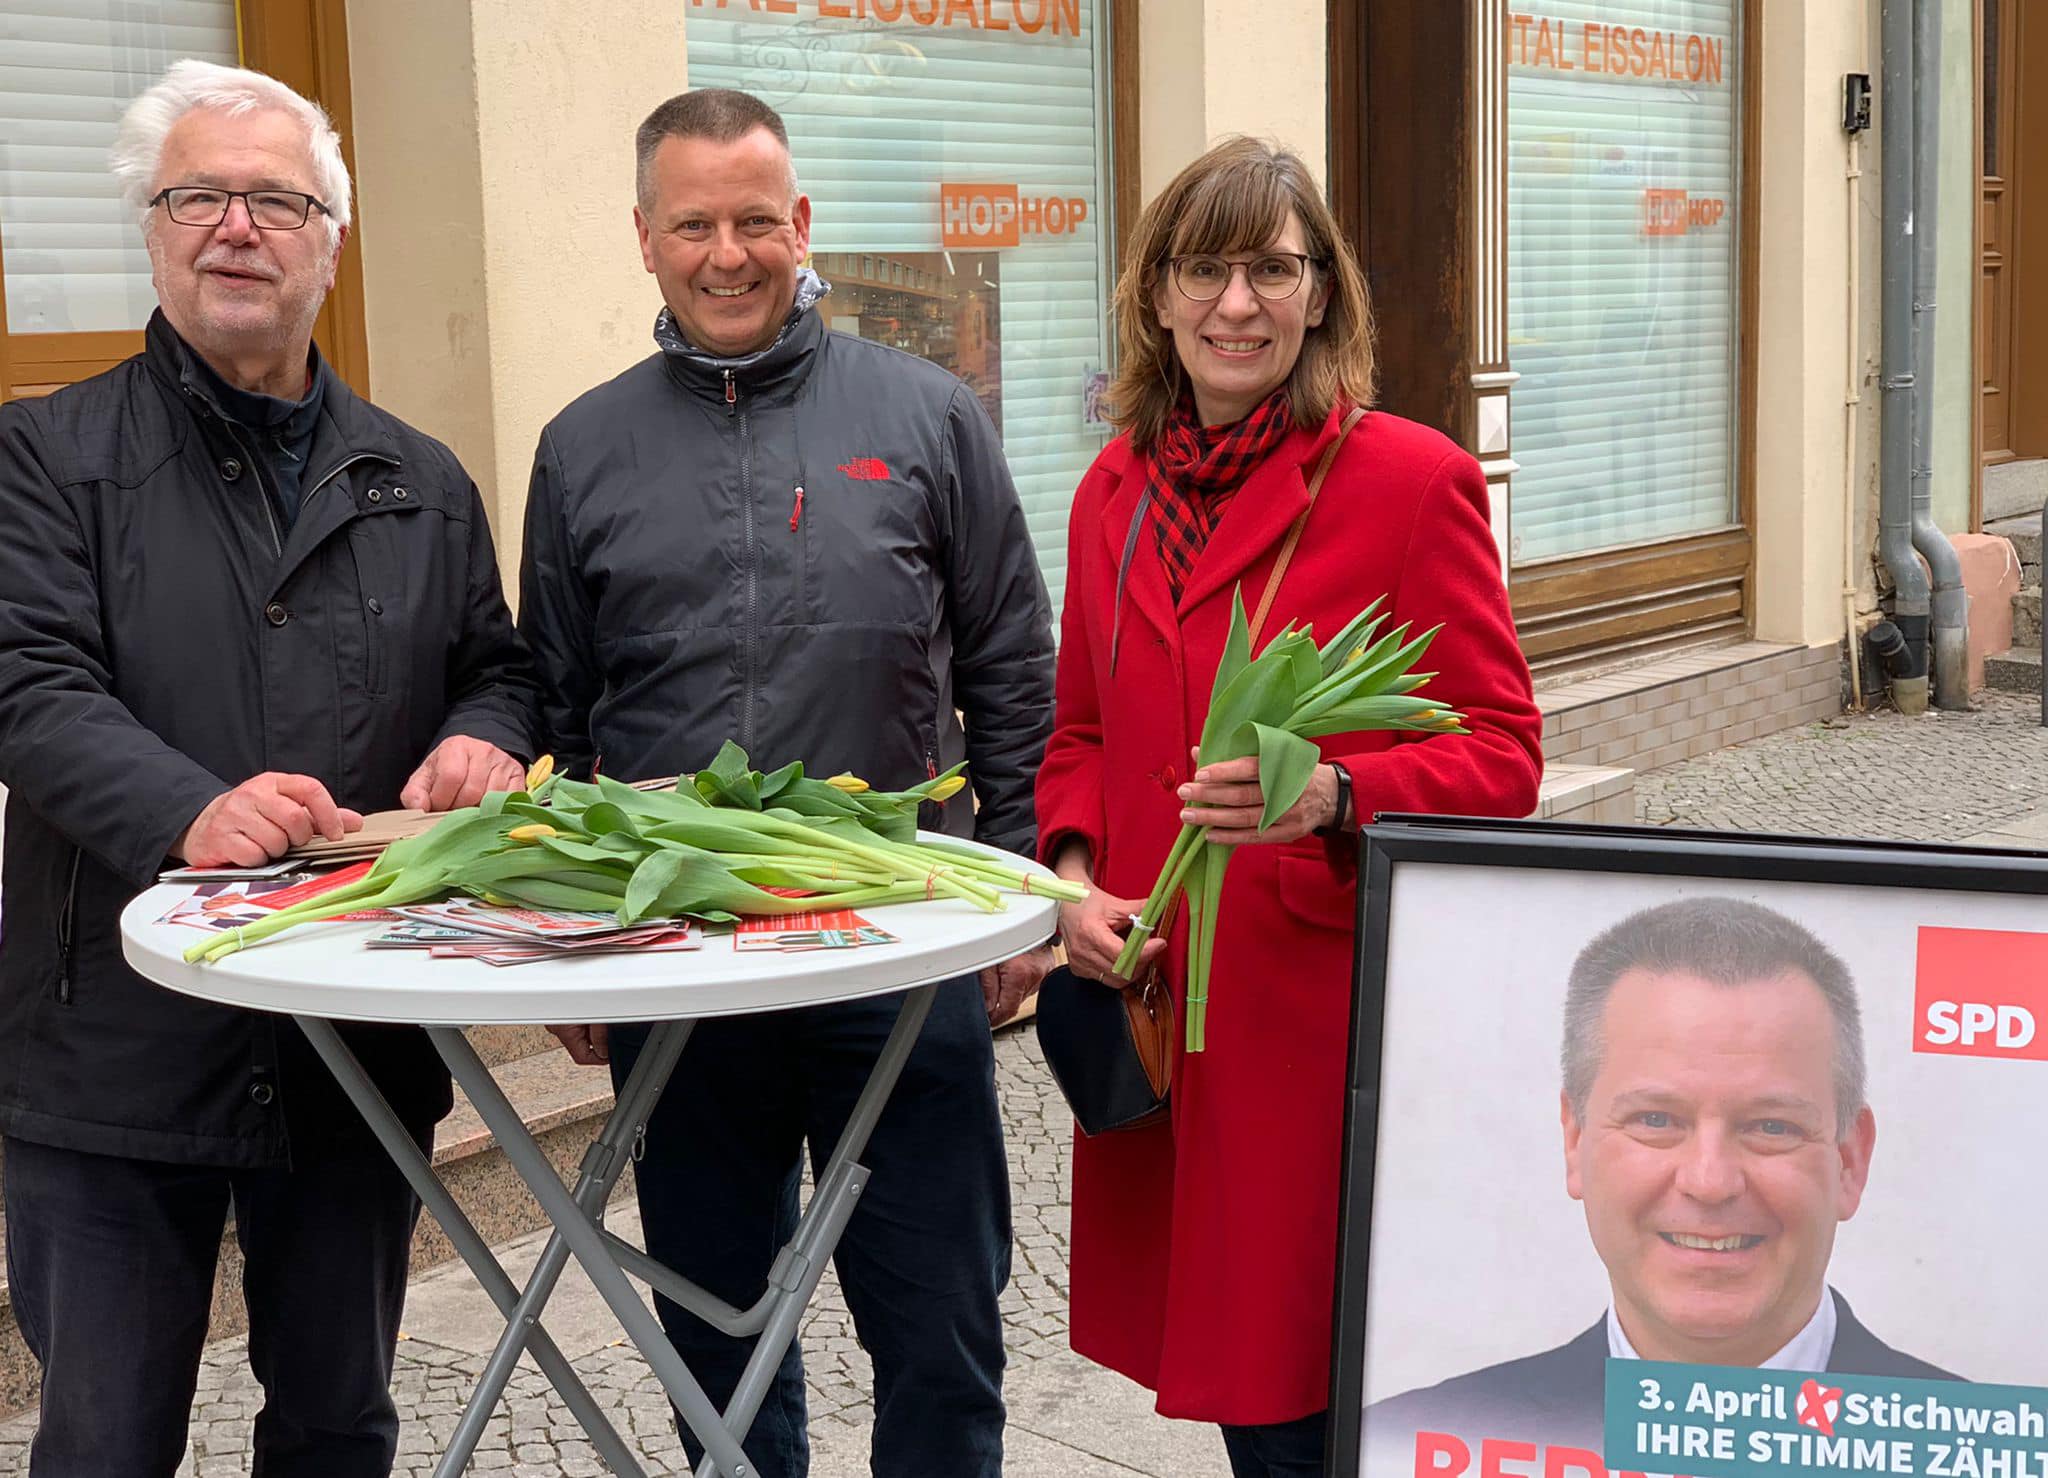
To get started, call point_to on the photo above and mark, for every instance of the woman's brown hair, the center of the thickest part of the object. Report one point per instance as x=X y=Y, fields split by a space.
x=1236 y=198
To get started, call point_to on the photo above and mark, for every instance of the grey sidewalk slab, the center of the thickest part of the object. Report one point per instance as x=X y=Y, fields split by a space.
x=448 y=1308
x=2021 y=833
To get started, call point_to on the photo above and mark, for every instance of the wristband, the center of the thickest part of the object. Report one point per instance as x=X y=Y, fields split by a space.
x=1343 y=812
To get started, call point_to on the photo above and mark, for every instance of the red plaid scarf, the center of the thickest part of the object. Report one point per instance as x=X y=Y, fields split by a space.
x=1195 y=471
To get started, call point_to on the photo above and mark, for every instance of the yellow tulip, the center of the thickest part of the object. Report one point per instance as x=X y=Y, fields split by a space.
x=946 y=789
x=847 y=781
x=542 y=768
x=533 y=831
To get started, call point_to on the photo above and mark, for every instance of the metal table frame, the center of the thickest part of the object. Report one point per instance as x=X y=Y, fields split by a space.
x=579 y=1231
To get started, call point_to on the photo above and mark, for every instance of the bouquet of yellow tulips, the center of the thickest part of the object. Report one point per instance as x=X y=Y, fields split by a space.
x=1274 y=706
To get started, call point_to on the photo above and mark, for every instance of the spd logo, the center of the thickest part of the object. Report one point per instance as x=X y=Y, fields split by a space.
x=1982 y=993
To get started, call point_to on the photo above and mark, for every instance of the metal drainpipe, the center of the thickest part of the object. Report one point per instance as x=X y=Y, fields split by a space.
x=1950 y=604
x=1910 y=591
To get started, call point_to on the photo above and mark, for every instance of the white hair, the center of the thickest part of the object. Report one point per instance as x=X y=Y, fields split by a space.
x=191 y=84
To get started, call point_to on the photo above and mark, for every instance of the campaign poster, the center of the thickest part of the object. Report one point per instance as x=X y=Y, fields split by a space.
x=1681 y=1156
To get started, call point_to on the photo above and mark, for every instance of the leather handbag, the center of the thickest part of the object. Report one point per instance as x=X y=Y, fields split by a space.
x=1110 y=1050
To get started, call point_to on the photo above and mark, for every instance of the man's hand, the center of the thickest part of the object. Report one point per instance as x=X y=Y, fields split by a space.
x=458 y=773
x=1093 y=931
x=1006 y=987
x=589 y=1045
x=1227 y=798
x=263 y=817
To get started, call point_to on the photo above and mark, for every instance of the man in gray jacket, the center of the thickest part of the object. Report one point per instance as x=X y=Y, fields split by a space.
x=809 y=544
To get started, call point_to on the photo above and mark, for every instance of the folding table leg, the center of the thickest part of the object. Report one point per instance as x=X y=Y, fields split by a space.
x=832 y=1204
x=603 y=1163
x=419 y=1173
x=587 y=1241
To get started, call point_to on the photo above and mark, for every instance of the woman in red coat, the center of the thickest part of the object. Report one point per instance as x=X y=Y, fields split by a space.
x=1204 y=1248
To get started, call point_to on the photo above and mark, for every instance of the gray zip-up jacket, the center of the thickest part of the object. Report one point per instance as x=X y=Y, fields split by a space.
x=816 y=552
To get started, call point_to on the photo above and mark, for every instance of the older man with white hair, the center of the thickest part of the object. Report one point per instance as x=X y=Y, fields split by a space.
x=238 y=606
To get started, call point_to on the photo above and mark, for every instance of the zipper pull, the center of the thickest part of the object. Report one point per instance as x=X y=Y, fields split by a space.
x=731 y=394
x=797 y=514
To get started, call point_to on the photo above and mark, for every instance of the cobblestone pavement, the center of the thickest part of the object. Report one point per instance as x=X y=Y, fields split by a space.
x=1941 y=777
x=533 y=1434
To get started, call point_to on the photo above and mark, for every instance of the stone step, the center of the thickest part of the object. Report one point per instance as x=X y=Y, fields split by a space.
x=2026 y=617
x=2015 y=490
x=500 y=1044
x=562 y=1104
x=2014 y=671
x=1587 y=794
x=2025 y=533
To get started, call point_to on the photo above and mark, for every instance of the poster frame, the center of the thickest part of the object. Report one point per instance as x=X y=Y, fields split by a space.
x=1396 y=839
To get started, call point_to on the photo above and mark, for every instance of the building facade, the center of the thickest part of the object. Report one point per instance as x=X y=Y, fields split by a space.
x=1624 y=250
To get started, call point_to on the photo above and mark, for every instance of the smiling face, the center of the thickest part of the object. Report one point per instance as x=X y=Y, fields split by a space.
x=238 y=295
x=723 y=238
x=1710 y=1165
x=1239 y=348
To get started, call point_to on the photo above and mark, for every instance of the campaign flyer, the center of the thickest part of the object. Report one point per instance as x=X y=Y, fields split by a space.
x=793 y=932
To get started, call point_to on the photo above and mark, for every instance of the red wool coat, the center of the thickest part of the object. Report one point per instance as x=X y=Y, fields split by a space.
x=1204 y=1249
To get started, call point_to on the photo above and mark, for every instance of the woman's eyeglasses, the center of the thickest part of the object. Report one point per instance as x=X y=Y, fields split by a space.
x=1273 y=275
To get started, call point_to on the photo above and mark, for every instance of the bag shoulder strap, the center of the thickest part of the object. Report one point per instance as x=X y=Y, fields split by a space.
x=1123 y=570
x=1315 y=485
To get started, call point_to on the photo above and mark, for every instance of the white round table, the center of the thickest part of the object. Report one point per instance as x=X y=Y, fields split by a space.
x=323 y=970
x=321 y=973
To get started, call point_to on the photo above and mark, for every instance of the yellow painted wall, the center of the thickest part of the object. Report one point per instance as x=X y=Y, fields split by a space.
x=494 y=141
x=1804 y=324
x=1215 y=67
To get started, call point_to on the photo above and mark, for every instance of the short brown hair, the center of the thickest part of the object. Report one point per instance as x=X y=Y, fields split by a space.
x=1237 y=197
x=1730 y=942
x=722 y=114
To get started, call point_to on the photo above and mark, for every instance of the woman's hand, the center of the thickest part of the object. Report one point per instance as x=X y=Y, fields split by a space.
x=1226 y=798
x=1093 y=931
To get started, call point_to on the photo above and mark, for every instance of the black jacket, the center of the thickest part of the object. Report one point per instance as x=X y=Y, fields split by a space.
x=162 y=641
x=1558 y=1398
x=676 y=593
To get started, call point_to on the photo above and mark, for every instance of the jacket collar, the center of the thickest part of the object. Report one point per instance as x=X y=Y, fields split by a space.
x=348 y=428
x=785 y=362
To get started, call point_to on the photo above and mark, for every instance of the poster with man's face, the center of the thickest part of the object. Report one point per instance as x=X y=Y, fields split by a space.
x=1703 y=1175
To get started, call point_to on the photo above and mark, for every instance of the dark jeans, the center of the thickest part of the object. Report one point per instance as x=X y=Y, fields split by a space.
x=111 y=1264
x=925 y=1255
x=1279 y=1450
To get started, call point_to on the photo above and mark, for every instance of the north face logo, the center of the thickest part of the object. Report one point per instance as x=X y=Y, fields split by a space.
x=865 y=469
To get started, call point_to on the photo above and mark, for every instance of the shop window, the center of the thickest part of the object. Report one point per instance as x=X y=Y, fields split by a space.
x=74 y=258
x=1624 y=121
x=957 y=161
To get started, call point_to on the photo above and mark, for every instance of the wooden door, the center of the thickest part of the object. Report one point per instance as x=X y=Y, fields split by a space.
x=2012 y=305
x=1997 y=23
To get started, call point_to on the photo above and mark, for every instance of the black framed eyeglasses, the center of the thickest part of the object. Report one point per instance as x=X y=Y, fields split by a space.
x=1273 y=275
x=269 y=210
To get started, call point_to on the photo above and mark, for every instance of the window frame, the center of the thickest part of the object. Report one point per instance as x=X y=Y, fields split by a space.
x=1389 y=60
x=303 y=43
